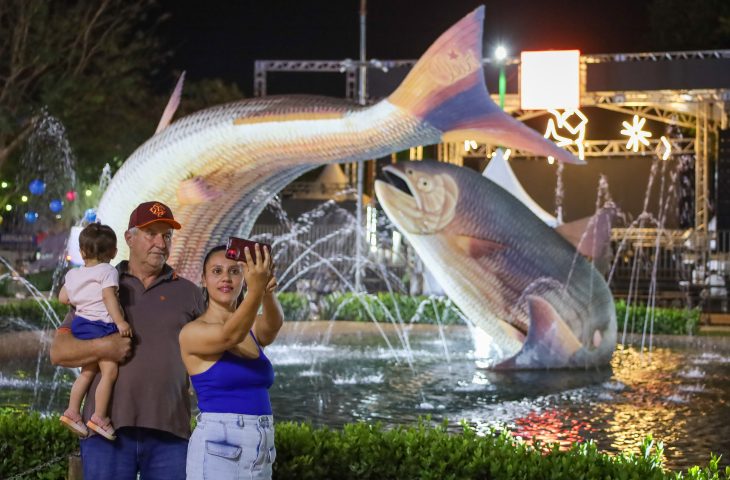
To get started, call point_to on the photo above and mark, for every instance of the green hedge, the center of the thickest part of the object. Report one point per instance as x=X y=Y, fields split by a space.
x=29 y=441
x=29 y=311
x=666 y=320
x=361 y=451
x=295 y=306
x=348 y=306
x=363 y=308
x=421 y=309
x=43 y=281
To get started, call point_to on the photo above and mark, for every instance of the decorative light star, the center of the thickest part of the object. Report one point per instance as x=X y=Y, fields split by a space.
x=579 y=130
x=635 y=133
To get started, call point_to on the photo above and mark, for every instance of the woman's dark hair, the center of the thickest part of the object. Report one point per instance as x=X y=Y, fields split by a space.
x=219 y=248
x=97 y=242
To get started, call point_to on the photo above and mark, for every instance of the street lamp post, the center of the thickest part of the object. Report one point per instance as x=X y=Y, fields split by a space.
x=362 y=99
x=500 y=53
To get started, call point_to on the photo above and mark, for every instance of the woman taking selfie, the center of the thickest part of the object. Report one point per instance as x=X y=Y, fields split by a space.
x=223 y=353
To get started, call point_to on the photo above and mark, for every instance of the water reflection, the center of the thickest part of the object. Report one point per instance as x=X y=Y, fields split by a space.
x=554 y=425
x=678 y=396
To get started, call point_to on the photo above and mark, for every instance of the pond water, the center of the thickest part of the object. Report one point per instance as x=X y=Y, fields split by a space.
x=340 y=372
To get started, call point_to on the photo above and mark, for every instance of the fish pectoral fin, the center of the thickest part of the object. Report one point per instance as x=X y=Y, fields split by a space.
x=549 y=336
x=477 y=247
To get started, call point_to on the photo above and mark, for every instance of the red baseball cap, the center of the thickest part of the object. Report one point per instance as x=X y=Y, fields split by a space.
x=151 y=212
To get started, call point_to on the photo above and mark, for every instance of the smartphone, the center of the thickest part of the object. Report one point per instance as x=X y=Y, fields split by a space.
x=235 y=248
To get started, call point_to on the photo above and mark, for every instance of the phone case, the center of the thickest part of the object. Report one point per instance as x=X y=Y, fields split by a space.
x=235 y=248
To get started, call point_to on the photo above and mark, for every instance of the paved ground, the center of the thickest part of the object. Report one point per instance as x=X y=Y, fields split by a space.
x=715 y=330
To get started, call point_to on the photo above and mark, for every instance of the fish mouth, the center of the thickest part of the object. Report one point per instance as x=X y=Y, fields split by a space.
x=399 y=181
x=395 y=179
x=399 y=200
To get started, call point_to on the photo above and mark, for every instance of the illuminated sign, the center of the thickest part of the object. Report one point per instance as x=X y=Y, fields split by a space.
x=550 y=80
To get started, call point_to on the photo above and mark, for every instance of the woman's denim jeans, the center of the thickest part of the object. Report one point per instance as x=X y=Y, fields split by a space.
x=227 y=446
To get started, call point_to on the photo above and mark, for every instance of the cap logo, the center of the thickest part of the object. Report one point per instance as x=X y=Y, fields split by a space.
x=157 y=210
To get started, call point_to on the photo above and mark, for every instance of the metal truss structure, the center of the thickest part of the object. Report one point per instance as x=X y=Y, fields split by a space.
x=702 y=110
x=598 y=148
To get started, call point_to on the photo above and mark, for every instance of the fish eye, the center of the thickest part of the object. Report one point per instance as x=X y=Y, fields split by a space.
x=424 y=184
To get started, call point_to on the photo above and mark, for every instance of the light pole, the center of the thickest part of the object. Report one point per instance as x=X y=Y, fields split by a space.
x=362 y=99
x=500 y=54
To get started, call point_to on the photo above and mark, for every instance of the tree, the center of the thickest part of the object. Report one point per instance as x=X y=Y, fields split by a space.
x=682 y=25
x=88 y=63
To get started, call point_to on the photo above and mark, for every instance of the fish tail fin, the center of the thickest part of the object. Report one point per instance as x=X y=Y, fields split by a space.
x=450 y=70
x=446 y=89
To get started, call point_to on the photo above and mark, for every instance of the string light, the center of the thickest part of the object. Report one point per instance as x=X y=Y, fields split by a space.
x=635 y=133
x=667 y=148
x=561 y=121
x=470 y=145
x=24 y=198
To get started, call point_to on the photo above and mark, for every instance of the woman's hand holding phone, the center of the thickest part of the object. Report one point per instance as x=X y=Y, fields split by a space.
x=257 y=268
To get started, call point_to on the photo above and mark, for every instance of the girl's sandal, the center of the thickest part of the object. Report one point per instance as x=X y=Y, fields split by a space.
x=102 y=427
x=74 y=422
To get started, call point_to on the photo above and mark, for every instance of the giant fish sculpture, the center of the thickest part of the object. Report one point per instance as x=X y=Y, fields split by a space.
x=218 y=168
x=543 y=304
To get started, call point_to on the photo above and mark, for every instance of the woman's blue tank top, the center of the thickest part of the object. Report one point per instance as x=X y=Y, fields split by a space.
x=235 y=384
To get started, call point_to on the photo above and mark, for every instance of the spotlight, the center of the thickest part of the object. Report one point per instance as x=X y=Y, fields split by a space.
x=500 y=53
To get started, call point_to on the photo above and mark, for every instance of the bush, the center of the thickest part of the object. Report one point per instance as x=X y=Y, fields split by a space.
x=666 y=320
x=29 y=441
x=385 y=307
x=30 y=312
x=295 y=306
x=43 y=281
x=363 y=451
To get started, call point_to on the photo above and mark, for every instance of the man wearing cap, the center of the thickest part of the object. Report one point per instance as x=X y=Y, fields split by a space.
x=150 y=406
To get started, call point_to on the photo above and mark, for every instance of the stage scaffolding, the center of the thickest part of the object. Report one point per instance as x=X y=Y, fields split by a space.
x=702 y=111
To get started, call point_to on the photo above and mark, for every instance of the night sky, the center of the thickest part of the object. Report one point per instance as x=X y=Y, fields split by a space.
x=223 y=38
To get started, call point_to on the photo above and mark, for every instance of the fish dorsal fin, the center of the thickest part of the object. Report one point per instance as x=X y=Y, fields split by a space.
x=477 y=247
x=172 y=105
x=591 y=236
x=499 y=171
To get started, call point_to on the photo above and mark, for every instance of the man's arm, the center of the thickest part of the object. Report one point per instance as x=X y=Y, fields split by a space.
x=68 y=351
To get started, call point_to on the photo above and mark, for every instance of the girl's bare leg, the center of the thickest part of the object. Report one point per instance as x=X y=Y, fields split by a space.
x=81 y=386
x=109 y=371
